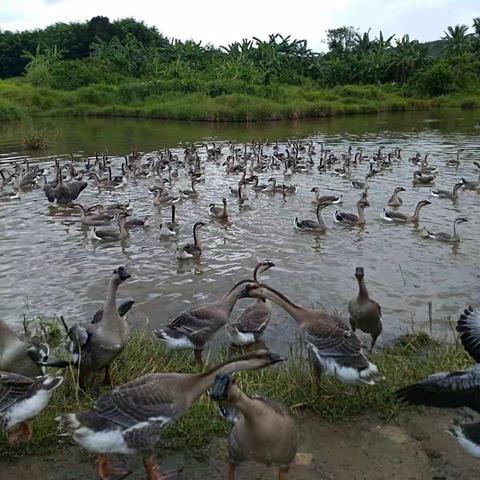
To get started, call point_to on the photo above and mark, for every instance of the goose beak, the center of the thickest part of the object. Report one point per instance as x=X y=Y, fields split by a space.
x=275 y=357
x=220 y=387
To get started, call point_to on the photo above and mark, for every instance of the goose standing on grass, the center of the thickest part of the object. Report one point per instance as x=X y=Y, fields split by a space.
x=249 y=326
x=191 y=250
x=21 y=356
x=399 y=217
x=195 y=327
x=395 y=200
x=111 y=235
x=450 y=195
x=455 y=389
x=365 y=313
x=447 y=237
x=350 y=219
x=220 y=213
x=132 y=417
x=334 y=348
x=327 y=199
x=94 y=346
x=21 y=399
x=310 y=225
x=262 y=429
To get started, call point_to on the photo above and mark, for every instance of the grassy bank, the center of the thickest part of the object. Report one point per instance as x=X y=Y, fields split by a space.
x=410 y=360
x=177 y=101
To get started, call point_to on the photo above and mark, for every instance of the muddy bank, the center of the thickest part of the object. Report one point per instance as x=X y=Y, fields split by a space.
x=413 y=447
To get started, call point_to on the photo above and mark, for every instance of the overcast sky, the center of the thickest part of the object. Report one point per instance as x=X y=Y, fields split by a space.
x=222 y=21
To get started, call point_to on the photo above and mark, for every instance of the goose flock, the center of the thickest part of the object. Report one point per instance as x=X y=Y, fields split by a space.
x=131 y=418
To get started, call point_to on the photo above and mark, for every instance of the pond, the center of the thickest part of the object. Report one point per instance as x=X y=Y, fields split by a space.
x=49 y=266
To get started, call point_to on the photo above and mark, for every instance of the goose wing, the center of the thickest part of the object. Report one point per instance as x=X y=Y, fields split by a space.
x=307 y=224
x=197 y=320
x=123 y=307
x=445 y=390
x=253 y=320
x=13 y=387
x=149 y=398
x=468 y=326
x=346 y=217
x=396 y=215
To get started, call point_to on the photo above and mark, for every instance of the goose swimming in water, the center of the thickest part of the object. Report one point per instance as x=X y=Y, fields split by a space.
x=399 y=217
x=450 y=195
x=327 y=199
x=395 y=200
x=447 y=237
x=350 y=219
x=191 y=250
x=310 y=225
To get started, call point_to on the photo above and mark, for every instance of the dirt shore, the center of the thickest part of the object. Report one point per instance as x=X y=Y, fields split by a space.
x=415 y=447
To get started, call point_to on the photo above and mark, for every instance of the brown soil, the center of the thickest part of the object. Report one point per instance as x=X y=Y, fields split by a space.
x=416 y=447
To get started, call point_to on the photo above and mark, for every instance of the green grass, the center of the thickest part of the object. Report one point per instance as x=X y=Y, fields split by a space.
x=164 y=100
x=292 y=383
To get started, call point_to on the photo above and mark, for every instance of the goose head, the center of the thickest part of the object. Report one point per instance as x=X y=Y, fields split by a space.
x=121 y=274
x=359 y=273
x=423 y=203
x=461 y=220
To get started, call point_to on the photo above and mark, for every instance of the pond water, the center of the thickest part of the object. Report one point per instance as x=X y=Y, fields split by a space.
x=48 y=266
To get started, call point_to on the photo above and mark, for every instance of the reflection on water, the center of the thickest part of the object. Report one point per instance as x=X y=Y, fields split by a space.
x=47 y=260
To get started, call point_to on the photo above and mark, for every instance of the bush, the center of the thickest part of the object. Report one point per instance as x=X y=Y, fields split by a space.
x=73 y=74
x=439 y=79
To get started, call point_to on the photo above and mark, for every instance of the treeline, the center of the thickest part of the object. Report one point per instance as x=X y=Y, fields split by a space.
x=69 y=56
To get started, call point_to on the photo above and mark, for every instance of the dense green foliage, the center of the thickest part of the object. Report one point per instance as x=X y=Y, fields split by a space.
x=68 y=56
x=127 y=68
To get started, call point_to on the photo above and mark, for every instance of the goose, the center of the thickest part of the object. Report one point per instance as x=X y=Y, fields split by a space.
x=138 y=222
x=63 y=193
x=234 y=191
x=274 y=187
x=310 y=225
x=94 y=219
x=21 y=399
x=111 y=235
x=359 y=184
x=191 y=250
x=163 y=197
x=456 y=160
x=350 y=219
x=258 y=187
x=252 y=322
x=192 y=193
x=7 y=196
x=95 y=345
x=447 y=237
x=470 y=184
x=399 y=217
x=365 y=313
x=422 y=180
x=219 y=213
x=454 y=389
x=195 y=327
x=263 y=430
x=395 y=200
x=132 y=417
x=172 y=225
x=453 y=195
x=327 y=199
x=21 y=355
x=335 y=349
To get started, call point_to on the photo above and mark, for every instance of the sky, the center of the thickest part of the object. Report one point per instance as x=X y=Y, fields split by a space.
x=221 y=22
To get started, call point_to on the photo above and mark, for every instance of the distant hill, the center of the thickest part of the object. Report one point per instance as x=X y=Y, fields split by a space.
x=435 y=48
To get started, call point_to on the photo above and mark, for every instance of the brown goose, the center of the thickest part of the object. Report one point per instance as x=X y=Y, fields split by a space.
x=20 y=356
x=450 y=195
x=310 y=225
x=399 y=217
x=365 y=313
x=447 y=237
x=191 y=250
x=328 y=199
x=195 y=327
x=21 y=399
x=395 y=200
x=132 y=417
x=94 y=346
x=334 y=348
x=219 y=212
x=94 y=219
x=263 y=430
x=472 y=184
x=111 y=235
x=422 y=180
x=252 y=322
x=351 y=219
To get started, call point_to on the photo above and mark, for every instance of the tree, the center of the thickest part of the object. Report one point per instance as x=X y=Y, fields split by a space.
x=341 y=40
x=456 y=39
